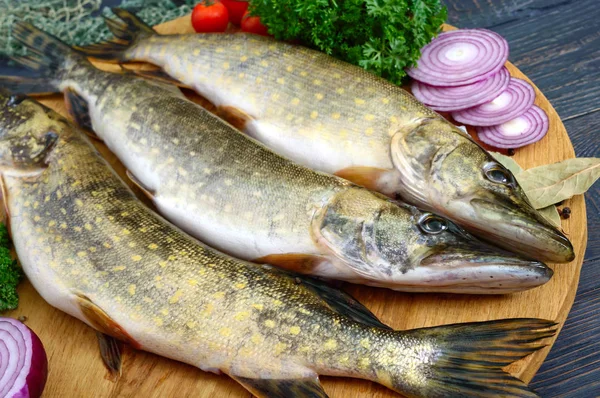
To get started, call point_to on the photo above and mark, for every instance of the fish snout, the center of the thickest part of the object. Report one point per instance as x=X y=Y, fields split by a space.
x=483 y=271
x=525 y=232
x=556 y=247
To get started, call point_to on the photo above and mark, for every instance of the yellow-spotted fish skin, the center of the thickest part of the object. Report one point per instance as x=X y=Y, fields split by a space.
x=93 y=250
x=240 y=197
x=338 y=118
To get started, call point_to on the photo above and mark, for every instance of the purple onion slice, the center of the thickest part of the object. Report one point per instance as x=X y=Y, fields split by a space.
x=460 y=57
x=23 y=362
x=447 y=99
x=513 y=102
x=526 y=129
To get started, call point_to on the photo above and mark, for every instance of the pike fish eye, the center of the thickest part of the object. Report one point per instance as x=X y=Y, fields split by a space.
x=432 y=224
x=496 y=174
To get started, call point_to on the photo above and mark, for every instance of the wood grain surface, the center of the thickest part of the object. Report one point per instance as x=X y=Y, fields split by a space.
x=76 y=370
x=556 y=43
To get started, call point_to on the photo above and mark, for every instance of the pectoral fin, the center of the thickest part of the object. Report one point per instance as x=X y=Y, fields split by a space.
x=5 y=204
x=148 y=192
x=103 y=323
x=234 y=116
x=110 y=351
x=283 y=388
x=79 y=111
x=368 y=177
x=297 y=262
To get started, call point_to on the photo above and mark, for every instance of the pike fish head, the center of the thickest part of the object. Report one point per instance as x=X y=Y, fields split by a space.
x=27 y=134
x=444 y=170
x=400 y=247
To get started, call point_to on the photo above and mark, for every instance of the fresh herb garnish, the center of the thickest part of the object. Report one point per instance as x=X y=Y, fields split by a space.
x=10 y=274
x=382 y=36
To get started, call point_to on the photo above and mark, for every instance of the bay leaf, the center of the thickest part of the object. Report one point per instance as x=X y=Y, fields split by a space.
x=507 y=162
x=550 y=213
x=553 y=183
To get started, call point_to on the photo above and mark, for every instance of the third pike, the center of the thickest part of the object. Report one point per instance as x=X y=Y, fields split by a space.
x=338 y=118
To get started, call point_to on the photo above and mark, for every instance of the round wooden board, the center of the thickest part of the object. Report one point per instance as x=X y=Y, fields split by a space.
x=77 y=371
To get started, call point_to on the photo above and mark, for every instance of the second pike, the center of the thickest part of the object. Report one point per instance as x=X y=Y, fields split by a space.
x=338 y=118
x=238 y=196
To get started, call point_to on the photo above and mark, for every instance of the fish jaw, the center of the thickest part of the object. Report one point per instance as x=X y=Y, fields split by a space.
x=454 y=270
x=445 y=171
x=372 y=241
x=461 y=270
x=528 y=234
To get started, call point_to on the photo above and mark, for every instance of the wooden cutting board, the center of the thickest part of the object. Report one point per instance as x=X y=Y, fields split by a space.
x=75 y=368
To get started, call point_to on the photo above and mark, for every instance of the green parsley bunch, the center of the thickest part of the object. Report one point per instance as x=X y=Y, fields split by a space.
x=10 y=274
x=382 y=36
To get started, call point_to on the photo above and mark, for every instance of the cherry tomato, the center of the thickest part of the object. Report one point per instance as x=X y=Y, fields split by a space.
x=252 y=24
x=237 y=9
x=210 y=18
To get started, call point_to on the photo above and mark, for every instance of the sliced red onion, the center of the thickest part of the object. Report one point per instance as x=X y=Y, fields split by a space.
x=513 y=102
x=526 y=129
x=447 y=99
x=460 y=57
x=23 y=362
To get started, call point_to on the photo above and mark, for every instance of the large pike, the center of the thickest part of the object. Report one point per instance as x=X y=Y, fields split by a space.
x=340 y=119
x=238 y=196
x=93 y=250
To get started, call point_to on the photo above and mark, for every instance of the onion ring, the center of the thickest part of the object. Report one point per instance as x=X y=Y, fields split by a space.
x=460 y=57
x=447 y=99
x=526 y=129
x=23 y=361
x=513 y=102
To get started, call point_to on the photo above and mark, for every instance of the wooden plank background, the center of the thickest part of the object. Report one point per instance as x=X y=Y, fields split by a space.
x=556 y=43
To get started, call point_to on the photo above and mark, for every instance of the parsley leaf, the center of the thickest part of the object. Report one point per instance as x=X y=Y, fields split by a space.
x=382 y=36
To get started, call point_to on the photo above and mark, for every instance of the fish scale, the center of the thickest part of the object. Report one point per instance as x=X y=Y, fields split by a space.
x=91 y=249
x=195 y=169
x=240 y=197
x=93 y=238
x=338 y=118
x=284 y=96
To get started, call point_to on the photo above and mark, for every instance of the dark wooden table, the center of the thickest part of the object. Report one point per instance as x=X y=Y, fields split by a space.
x=556 y=43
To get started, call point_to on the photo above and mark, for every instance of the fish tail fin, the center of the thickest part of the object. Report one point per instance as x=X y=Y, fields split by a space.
x=466 y=360
x=46 y=58
x=128 y=30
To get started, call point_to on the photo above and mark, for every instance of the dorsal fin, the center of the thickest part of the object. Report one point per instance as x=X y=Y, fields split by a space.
x=338 y=300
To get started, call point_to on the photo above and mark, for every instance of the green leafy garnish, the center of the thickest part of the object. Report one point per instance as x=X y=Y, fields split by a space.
x=382 y=36
x=10 y=274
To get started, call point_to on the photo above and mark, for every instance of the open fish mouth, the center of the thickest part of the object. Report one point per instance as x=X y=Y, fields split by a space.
x=527 y=234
